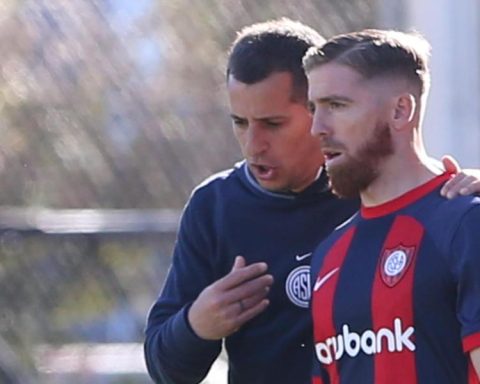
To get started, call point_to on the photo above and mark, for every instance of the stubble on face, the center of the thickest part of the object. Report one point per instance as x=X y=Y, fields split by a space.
x=358 y=171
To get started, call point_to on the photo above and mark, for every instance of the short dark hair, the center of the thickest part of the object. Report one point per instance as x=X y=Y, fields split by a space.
x=273 y=46
x=374 y=52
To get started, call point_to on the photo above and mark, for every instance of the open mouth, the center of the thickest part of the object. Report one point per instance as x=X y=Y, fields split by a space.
x=263 y=171
x=330 y=155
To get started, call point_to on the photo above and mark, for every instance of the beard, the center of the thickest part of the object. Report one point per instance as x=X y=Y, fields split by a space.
x=357 y=172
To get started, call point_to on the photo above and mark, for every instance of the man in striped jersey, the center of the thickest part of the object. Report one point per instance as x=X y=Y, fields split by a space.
x=396 y=289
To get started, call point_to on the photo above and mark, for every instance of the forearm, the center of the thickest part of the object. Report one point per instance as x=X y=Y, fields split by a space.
x=173 y=351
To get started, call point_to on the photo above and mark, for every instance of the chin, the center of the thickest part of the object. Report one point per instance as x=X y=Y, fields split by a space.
x=348 y=182
x=271 y=187
x=274 y=187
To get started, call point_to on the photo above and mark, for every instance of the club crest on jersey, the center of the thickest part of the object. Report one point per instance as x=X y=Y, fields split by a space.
x=297 y=286
x=395 y=263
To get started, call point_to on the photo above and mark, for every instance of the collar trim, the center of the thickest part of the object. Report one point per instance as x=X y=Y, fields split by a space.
x=405 y=199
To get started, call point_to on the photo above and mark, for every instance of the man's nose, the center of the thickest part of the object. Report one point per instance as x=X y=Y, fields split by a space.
x=319 y=125
x=256 y=140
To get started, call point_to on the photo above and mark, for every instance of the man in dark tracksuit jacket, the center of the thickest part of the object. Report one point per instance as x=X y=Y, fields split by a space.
x=240 y=267
x=230 y=214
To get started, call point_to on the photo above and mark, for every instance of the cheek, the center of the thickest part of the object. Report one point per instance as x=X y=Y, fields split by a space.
x=350 y=128
x=307 y=146
x=301 y=133
x=299 y=147
x=240 y=137
x=305 y=138
x=291 y=144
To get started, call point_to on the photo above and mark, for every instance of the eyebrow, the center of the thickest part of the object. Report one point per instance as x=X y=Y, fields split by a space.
x=259 y=119
x=330 y=98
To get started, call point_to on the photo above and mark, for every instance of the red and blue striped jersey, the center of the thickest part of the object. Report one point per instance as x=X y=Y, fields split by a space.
x=396 y=292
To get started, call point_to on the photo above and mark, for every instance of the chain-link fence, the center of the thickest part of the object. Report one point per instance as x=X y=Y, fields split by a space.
x=114 y=105
x=73 y=280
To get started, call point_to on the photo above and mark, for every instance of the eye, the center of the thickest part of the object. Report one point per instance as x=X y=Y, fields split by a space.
x=311 y=107
x=334 y=105
x=273 y=124
x=239 y=123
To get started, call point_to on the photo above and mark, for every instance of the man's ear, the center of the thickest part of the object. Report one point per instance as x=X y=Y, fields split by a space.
x=404 y=108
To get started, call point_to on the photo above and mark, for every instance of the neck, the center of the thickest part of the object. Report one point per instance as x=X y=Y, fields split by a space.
x=309 y=181
x=398 y=175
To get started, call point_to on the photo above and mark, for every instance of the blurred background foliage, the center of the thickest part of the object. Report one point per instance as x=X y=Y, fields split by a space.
x=111 y=104
x=121 y=103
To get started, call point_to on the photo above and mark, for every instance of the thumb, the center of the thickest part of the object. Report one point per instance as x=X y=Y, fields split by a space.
x=450 y=164
x=238 y=263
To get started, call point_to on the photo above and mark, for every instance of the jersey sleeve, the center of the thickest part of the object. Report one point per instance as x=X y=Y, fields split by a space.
x=173 y=352
x=466 y=259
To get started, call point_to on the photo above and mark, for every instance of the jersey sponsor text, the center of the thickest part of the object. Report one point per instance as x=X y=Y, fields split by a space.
x=369 y=342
